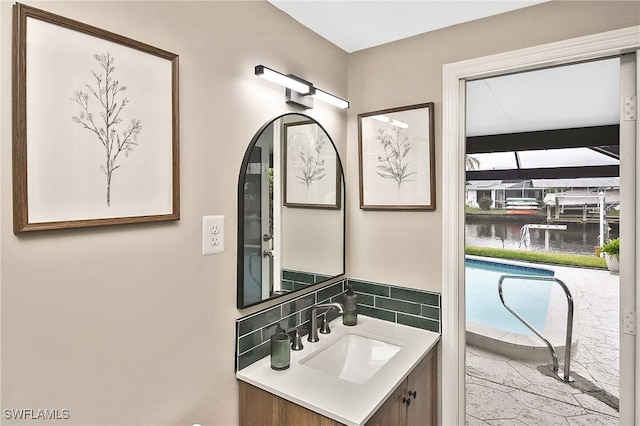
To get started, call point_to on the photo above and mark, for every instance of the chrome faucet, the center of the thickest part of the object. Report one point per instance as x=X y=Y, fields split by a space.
x=313 y=329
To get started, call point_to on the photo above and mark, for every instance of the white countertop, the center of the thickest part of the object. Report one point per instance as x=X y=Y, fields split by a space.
x=346 y=402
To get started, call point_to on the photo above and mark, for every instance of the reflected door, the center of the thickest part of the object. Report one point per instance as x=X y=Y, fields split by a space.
x=266 y=223
x=253 y=232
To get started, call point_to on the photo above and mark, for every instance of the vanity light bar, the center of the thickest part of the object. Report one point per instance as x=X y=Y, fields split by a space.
x=283 y=80
x=330 y=99
x=302 y=87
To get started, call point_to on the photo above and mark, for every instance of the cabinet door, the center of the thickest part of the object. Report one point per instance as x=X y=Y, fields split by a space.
x=392 y=412
x=422 y=385
x=260 y=408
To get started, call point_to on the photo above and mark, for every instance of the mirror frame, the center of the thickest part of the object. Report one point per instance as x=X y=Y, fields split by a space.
x=240 y=235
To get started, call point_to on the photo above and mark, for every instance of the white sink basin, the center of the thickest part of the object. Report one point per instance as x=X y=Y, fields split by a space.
x=353 y=357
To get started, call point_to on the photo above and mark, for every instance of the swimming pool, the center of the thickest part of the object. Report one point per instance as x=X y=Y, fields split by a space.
x=490 y=326
x=529 y=298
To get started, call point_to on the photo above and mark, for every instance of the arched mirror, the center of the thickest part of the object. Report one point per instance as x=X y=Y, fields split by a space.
x=291 y=215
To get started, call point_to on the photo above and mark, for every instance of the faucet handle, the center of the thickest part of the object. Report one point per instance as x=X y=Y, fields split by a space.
x=296 y=339
x=296 y=345
x=324 y=327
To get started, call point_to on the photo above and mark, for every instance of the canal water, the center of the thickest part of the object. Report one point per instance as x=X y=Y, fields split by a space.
x=505 y=232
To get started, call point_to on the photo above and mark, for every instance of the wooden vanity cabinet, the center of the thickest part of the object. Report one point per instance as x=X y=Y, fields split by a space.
x=415 y=401
x=261 y=408
x=258 y=407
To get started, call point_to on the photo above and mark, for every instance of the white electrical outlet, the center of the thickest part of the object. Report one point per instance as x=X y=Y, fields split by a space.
x=212 y=235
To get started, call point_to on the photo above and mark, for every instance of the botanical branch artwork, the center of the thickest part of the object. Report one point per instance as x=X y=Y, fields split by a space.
x=394 y=163
x=96 y=126
x=308 y=162
x=397 y=161
x=102 y=105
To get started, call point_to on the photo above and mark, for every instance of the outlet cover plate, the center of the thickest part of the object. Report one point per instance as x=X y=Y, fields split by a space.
x=212 y=235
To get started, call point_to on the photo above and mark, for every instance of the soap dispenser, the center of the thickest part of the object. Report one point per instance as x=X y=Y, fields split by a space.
x=350 y=315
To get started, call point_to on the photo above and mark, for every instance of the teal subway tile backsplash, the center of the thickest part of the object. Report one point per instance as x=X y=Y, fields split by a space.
x=366 y=299
x=253 y=355
x=249 y=341
x=370 y=288
x=398 y=305
x=422 y=297
x=431 y=312
x=419 y=322
x=297 y=305
x=377 y=313
x=329 y=292
x=254 y=331
x=264 y=317
x=415 y=308
x=295 y=280
x=302 y=277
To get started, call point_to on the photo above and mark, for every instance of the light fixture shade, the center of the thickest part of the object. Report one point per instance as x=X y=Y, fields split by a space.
x=331 y=99
x=399 y=123
x=299 y=91
x=381 y=117
x=283 y=80
x=393 y=121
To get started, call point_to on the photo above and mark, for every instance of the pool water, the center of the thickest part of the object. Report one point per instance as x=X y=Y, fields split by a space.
x=527 y=297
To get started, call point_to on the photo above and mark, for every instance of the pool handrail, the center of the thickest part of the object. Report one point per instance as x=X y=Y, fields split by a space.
x=567 y=349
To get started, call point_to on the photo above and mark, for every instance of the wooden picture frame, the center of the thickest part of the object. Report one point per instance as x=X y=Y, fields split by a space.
x=396 y=149
x=96 y=126
x=311 y=173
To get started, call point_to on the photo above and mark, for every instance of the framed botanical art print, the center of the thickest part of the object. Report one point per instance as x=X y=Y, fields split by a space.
x=311 y=173
x=95 y=137
x=396 y=153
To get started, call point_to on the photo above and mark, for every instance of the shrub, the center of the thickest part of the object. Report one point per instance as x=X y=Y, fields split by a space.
x=485 y=203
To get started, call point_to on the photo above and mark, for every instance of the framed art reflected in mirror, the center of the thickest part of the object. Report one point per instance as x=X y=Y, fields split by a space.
x=311 y=175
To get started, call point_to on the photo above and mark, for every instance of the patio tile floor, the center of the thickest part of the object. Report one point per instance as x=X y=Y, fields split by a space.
x=504 y=391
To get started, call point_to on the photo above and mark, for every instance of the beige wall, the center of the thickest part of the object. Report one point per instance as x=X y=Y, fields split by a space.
x=404 y=247
x=132 y=325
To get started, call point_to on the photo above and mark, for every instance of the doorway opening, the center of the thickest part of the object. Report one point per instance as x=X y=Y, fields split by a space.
x=454 y=77
x=531 y=139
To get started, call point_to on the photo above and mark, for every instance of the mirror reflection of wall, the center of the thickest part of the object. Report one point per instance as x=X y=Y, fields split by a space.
x=291 y=210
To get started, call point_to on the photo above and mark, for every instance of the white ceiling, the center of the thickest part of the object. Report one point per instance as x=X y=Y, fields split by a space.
x=359 y=24
x=577 y=95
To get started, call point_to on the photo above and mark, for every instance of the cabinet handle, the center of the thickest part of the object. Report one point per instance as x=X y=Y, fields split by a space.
x=413 y=394
x=406 y=401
